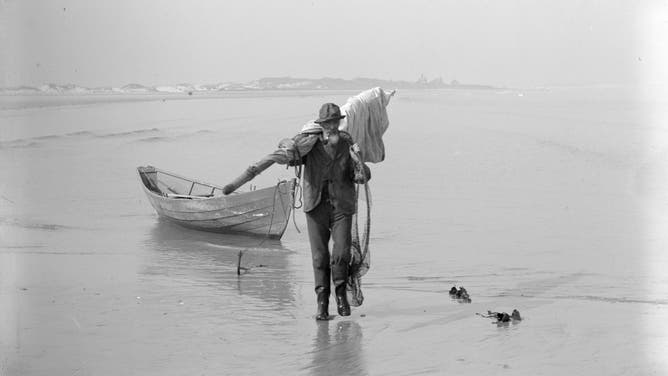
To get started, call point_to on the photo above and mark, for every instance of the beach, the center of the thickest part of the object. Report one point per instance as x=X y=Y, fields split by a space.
x=552 y=202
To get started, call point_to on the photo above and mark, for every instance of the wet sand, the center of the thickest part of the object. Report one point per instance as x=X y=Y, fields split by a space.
x=551 y=203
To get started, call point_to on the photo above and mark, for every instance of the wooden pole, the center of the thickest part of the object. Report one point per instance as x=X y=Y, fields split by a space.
x=248 y=175
x=239 y=263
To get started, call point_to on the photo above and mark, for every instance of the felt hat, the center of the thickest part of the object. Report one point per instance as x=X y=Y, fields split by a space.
x=329 y=111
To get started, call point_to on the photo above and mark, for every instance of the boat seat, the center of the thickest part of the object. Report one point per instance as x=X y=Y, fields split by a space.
x=189 y=197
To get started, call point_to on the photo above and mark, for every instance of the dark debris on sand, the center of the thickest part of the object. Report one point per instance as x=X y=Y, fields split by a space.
x=502 y=317
x=460 y=294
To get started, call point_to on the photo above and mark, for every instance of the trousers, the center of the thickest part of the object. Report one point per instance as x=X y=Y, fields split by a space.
x=325 y=222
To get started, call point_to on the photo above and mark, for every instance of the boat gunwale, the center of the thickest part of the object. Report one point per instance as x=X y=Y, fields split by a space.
x=206 y=198
x=175 y=175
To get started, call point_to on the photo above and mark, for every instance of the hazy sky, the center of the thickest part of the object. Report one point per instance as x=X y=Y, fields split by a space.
x=500 y=42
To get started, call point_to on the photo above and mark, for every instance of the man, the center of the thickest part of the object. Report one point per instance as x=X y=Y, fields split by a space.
x=331 y=169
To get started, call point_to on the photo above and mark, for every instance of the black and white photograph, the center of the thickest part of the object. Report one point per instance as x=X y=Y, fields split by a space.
x=333 y=187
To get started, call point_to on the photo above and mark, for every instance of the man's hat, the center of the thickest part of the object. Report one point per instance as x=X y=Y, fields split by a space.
x=329 y=111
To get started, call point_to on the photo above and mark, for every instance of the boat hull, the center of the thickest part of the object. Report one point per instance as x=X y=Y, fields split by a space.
x=263 y=212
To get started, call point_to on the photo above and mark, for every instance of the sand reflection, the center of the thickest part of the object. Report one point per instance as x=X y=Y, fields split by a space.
x=337 y=349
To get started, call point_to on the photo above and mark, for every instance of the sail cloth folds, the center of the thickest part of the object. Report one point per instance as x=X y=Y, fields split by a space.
x=366 y=120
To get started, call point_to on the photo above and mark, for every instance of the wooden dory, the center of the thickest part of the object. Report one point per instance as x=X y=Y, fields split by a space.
x=202 y=206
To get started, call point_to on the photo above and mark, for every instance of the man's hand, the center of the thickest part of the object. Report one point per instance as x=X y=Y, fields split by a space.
x=362 y=173
x=354 y=153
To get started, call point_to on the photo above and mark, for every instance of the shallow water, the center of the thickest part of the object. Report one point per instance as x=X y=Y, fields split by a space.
x=550 y=202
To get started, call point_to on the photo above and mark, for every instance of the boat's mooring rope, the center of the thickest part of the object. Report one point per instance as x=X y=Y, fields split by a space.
x=286 y=213
x=273 y=209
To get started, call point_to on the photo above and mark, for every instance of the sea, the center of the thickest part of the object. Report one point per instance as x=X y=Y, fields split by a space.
x=551 y=201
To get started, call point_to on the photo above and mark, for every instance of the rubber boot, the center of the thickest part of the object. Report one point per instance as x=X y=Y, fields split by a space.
x=323 y=306
x=342 y=300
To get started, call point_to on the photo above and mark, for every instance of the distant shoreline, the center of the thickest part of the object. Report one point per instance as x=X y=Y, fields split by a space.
x=19 y=101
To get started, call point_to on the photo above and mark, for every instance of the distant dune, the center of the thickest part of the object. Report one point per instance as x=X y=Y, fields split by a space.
x=269 y=83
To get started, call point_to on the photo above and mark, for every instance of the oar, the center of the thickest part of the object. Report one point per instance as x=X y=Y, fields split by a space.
x=248 y=175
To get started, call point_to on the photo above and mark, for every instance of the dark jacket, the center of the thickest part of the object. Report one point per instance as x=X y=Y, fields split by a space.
x=337 y=175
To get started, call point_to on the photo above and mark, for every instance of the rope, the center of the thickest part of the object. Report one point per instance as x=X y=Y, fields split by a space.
x=298 y=191
x=367 y=225
x=273 y=208
x=360 y=257
x=294 y=207
x=363 y=246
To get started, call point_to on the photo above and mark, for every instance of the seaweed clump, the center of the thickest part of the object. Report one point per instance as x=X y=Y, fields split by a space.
x=460 y=294
x=503 y=317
